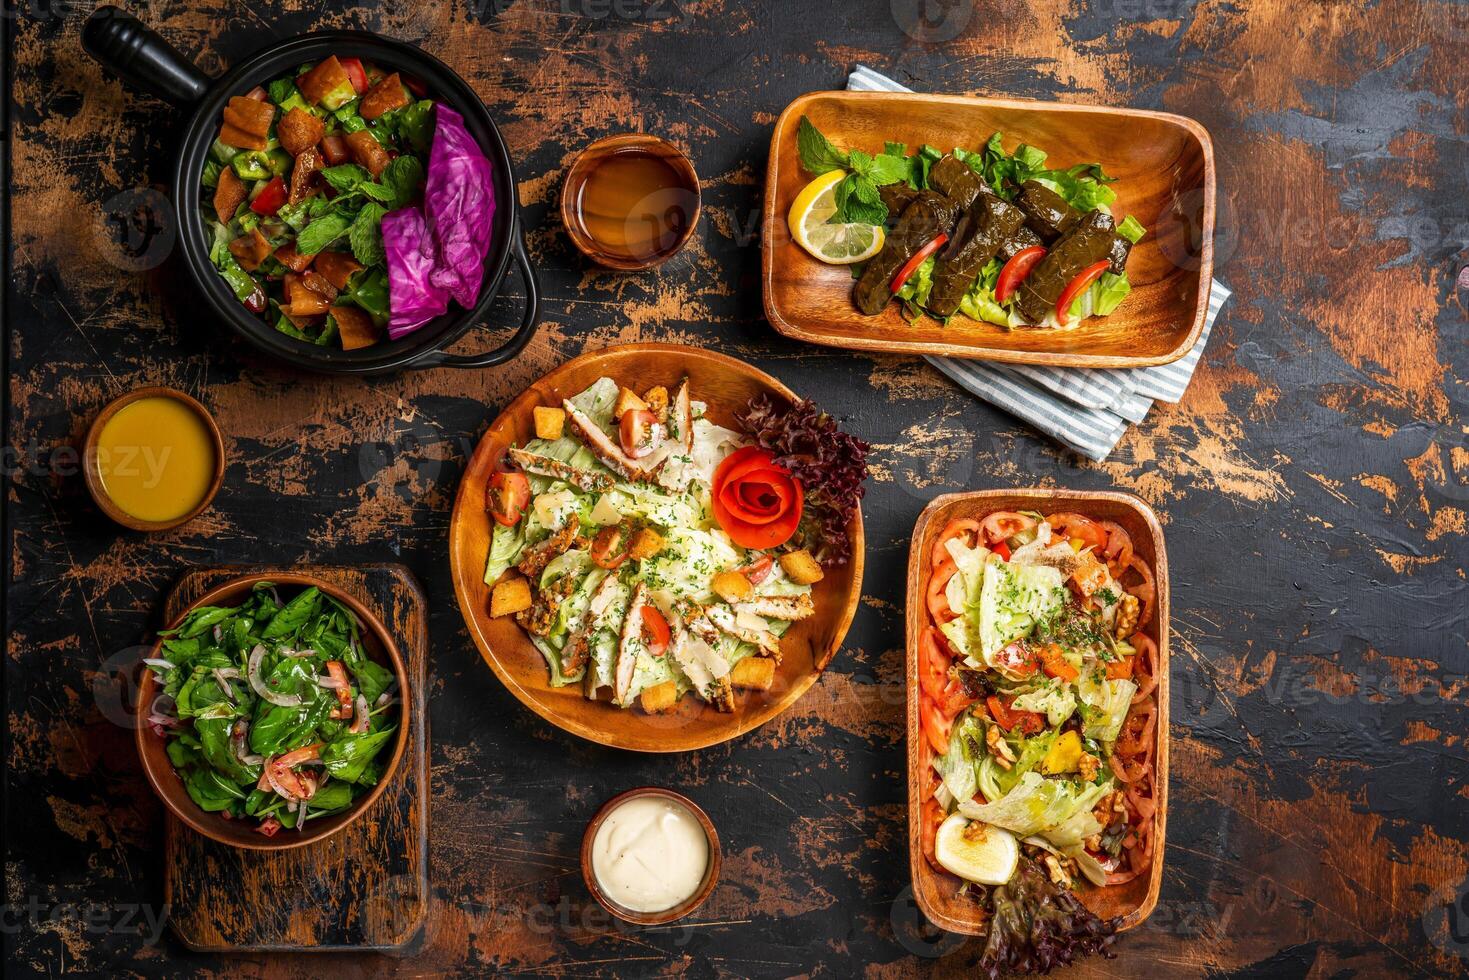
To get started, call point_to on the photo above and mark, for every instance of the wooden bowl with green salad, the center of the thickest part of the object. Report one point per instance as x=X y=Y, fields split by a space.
x=273 y=712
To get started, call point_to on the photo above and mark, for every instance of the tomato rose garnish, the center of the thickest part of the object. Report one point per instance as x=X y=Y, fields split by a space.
x=756 y=501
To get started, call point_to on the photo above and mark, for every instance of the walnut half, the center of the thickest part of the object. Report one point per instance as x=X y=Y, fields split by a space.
x=1127 y=611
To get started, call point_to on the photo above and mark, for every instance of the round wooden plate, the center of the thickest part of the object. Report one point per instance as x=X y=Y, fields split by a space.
x=725 y=385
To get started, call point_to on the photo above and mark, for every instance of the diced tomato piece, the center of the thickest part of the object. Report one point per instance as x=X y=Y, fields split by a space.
x=270 y=198
x=334 y=149
x=356 y=73
x=635 y=432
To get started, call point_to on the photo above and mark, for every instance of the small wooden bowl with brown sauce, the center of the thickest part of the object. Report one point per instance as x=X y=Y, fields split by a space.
x=630 y=202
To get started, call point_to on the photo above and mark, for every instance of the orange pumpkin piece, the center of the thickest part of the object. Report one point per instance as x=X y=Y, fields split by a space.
x=299 y=130
x=355 y=327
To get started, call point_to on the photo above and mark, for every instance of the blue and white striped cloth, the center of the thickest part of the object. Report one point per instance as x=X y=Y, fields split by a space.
x=1085 y=409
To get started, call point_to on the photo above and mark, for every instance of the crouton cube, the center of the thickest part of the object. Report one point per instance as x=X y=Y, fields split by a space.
x=549 y=422
x=800 y=567
x=511 y=595
x=645 y=544
x=732 y=587
x=627 y=400
x=657 y=402
x=753 y=674
x=659 y=697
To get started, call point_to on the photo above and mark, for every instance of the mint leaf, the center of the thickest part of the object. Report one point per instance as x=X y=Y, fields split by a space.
x=818 y=156
x=860 y=162
x=344 y=177
x=366 y=234
x=858 y=202
x=895 y=149
x=888 y=168
x=322 y=232
x=376 y=191
x=402 y=178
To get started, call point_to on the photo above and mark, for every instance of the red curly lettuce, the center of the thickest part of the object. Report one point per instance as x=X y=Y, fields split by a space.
x=831 y=465
x=1037 y=925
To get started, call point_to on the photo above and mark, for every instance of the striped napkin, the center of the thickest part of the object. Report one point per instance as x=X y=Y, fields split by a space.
x=1087 y=410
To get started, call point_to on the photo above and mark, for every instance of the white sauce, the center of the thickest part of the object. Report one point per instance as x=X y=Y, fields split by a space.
x=650 y=854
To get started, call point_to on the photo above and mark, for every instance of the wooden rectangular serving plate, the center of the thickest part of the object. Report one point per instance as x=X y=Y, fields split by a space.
x=1164 y=165
x=935 y=892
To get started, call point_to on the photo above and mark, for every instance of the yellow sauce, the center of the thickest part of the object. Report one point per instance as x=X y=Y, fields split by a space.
x=156 y=459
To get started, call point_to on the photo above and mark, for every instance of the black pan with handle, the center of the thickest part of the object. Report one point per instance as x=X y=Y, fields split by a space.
x=144 y=59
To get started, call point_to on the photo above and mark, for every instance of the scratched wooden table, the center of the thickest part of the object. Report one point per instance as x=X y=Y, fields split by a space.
x=1313 y=486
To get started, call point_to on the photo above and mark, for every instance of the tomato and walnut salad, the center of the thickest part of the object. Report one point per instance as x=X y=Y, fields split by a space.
x=1037 y=720
x=650 y=552
x=346 y=207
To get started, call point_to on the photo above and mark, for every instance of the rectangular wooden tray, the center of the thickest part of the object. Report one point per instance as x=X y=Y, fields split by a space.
x=1134 y=901
x=364 y=888
x=1164 y=165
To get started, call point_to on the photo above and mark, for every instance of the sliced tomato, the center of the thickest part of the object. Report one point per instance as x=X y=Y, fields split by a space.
x=758 y=570
x=270 y=198
x=1026 y=722
x=1004 y=524
x=635 y=432
x=1015 y=660
x=933 y=816
x=1078 y=286
x=1002 y=549
x=508 y=495
x=1013 y=273
x=1091 y=534
x=356 y=73
x=911 y=266
x=306 y=753
x=656 y=633
x=343 y=691
x=609 y=547
x=270 y=826
x=933 y=664
x=935 y=727
x=954 y=700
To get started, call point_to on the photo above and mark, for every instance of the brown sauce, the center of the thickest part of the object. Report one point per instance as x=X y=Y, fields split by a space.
x=635 y=205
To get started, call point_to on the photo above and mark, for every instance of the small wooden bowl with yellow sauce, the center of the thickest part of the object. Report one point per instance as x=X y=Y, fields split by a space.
x=153 y=459
x=610 y=853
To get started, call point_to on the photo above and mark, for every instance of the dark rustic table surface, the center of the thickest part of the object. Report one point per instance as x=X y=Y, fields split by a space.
x=1313 y=485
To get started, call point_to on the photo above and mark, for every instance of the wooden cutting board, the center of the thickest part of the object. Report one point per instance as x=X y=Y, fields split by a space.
x=365 y=888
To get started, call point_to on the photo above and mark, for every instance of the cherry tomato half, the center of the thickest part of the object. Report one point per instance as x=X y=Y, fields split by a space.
x=508 y=495
x=656 y=633
x=635 y=432
x=609 y=547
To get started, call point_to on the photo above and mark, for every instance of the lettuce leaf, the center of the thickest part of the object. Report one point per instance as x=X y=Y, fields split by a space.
x=1036 y=805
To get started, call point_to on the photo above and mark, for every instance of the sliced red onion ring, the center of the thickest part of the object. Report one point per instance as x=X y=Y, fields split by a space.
x=159 y=662
x=218 y=633
x=164 y=720
x=223 y=680
x=289 y=652
x=330 y=683
x=274 y=697
x=164 y=704
x=359 y=719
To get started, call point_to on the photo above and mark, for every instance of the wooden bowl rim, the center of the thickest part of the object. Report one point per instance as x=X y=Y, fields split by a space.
x=580 y=170
x=92 y=474
x=463 y=508
x=688 y=905
x=1043 y=498
x=985 y=350
x=209 y=824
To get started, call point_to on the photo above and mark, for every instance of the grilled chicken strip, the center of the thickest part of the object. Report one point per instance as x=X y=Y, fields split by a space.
x=585 y=480
x=541 y=616
x=606 y=450
x=578 y=648
x=722 y=617
x=628 y=645
x=789 y=608
x=539 y=555
x=683 y=416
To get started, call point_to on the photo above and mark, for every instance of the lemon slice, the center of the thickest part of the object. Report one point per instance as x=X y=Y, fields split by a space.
x=834 y=244
x=976 y=851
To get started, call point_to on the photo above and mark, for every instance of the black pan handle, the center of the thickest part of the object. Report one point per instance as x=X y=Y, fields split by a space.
x=142 y=57
x=528 y=323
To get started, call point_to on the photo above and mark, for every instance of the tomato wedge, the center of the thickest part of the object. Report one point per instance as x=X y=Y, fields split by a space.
x=635 y=432
x=1015 y=659
x=609 y=547
x=507 y=497
x=356 y=73
x=270 y=198
x=758 y=570
x=656 y=633
x=1013 y=273
x=1027 y=722
x=935 y=727
x=912 y=264
x=1076 y=287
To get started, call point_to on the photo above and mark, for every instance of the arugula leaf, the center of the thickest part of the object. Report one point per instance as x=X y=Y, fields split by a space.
x=366 y=236
x=818 y=156
x=322 y=232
